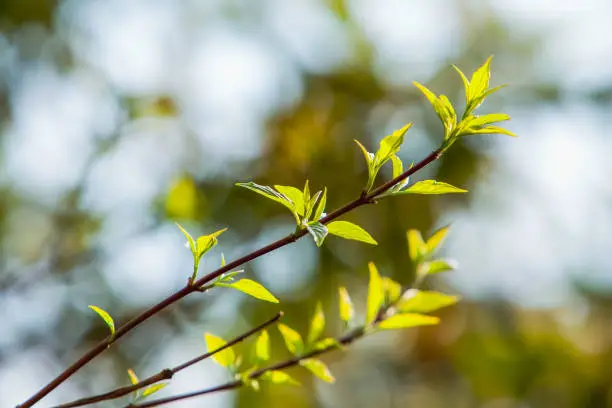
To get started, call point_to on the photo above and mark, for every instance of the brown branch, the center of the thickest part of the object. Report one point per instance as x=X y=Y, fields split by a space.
x=365 y=198
x=167 y=373
x=344 y=340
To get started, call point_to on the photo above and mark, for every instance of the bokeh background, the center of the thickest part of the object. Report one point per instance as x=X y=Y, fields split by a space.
x=119 y=117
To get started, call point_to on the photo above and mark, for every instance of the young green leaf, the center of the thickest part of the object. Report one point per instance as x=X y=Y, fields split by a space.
x=106 y=317
x=311 y=205
x=206 y=242
x=369 y=157
x=405 y=320
x=376 y=294
x=192 y=244
x=293 y=340
x=272 y=194
x=372 y=166
x=431 y=187
x=393 y=290
x=466 y=84
x=225 y=357
x=317 y=324
x=325 y=344
x=133 y=377
x=490 y=130
x=346 y=306
x=134 y=380
x=152 y=389
x=295 y=195
x=390 y=145
x=279 y=377
x=306 y=192
x=252 y=288
x=262 y=347
x=416 y=246
x=318 y=368
x=480 y=79
x=420 y=301
x=318 y=212
x=483 y=120
x=436 y=239
x=348 y=230
x=318 y=232
x=436 y=266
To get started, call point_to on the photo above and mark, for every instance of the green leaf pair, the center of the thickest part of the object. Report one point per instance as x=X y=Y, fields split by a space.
x=304 y=207
x=384 y=292
x=476 y=90
x=387 y=149
x=421 y=252
x=200 y=246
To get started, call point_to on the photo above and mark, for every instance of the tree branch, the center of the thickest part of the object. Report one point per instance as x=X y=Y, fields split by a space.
x=167 y=373
x=195 y=286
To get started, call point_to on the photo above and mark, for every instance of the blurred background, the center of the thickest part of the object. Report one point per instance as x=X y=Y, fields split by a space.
x=121 y=117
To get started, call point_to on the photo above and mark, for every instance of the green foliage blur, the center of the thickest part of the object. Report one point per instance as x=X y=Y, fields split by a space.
x=62 y=250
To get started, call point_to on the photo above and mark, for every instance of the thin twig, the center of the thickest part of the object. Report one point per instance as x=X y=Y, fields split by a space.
x=344 y=340
x=153 y=310
x=167 y=373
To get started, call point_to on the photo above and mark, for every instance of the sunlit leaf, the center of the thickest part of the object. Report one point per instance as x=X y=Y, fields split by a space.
x=376 y=294
x=483 y=120
x=420 y=301
x=480 y=79
x=306 y=192
x=367 y=155
x=348 y=230
x=346 y=306
x=466 y=84
x=295 y=195
x=431 y=187
x=436 y=266
x=490 y=130
x=133 y=377
x=311 y=205
x=390 y=145
x=318 y=232
x=252 y=288
x=318 y=368
x=405 y=320
x=437 y=238
x=293 y=340
x=105 y=316
x=190 y=240
x=270 y=193
x=317 y=324
x=398 y=166
x=225 y=357
x=206 y=242
x=416 y=246
x=320 y=207
x=393 y=290
x=449 y=119
x=262 y=346
x=153 y=389
x=279 y=377
x=325 y=344
x=431 y=97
